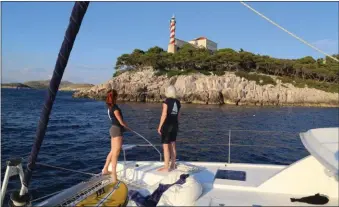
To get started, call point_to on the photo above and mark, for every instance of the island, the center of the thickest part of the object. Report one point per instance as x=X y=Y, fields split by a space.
x=15 y=85
x=43 y=84
x=225 y=76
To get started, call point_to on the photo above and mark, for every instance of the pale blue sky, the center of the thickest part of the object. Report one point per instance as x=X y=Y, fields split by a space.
x=32 y=32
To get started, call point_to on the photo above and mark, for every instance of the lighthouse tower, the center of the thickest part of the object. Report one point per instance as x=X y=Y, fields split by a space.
x=171 y=45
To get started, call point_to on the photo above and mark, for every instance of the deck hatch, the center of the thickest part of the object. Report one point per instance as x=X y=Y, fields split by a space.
x=231 y=175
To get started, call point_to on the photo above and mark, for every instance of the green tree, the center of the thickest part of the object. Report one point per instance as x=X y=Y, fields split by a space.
x=155 y=50
x=306 y=60
x=247 y=61
x=123 y=62
x=190 y=58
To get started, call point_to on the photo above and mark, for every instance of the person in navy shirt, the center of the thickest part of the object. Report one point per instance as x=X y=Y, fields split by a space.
x=168 y=128
x=116 y=132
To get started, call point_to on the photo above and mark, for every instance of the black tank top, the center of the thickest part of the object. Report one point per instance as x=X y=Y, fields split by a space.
x=173 y=108
x=112 y=117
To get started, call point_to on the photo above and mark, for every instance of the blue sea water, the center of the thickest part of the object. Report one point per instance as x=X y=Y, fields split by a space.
x=77 y=136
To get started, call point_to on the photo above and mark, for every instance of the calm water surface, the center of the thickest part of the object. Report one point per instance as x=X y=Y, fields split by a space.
x=77 y=136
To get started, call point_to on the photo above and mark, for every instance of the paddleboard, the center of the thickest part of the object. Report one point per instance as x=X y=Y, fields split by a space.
x=113 y=194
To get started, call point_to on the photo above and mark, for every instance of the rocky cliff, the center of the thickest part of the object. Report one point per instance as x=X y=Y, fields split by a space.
x=145 y=86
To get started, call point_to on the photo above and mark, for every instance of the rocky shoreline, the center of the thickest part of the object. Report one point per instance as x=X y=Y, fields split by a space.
x=74 y=89
x=145 y=86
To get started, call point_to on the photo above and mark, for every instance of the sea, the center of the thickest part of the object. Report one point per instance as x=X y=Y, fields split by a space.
x=77 y=135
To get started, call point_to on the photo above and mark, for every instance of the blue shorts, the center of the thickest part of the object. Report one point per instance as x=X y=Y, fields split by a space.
x=169 y=134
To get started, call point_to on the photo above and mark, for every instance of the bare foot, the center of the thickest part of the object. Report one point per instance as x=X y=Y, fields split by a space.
x=164 y=169
x=104 y=171
x=173 y=167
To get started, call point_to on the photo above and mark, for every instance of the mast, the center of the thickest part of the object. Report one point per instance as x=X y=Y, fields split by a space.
x=78 y=13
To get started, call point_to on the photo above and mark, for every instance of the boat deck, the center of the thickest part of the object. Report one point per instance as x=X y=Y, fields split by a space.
x=237 y=189
x=217 y=192
x=224 y=197
x=255 y=174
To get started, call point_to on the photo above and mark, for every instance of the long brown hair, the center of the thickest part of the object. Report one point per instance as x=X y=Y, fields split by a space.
x=111 y=98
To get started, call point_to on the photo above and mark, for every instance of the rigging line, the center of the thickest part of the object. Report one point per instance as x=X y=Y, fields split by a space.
x=49 y=195
x=61 y=168
x=290 y=33
x=25 y=155
x=148 y=143
x=261 y=131
x=221 y=144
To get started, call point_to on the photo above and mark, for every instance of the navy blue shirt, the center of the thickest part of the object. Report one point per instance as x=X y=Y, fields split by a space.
x=173 y=108
x=112 y=117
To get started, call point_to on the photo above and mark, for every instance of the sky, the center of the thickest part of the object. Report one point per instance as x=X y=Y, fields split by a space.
x=32 y=33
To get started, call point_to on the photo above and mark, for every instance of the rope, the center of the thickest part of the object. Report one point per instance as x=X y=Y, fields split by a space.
x=49 y=195
x=24 y=155
x=65 y=169
x=148 y=143
x=263 y=131
x=237 y=145
x=290 y=33
x=250 y=130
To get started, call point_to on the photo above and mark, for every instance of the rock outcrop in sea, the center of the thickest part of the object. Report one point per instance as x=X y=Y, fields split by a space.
x=145 y=86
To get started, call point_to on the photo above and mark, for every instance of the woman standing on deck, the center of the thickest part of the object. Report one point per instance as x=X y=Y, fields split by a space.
x=168 y=128
x=116 y=132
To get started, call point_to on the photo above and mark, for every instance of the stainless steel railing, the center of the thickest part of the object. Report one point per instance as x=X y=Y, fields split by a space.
x=229 y=144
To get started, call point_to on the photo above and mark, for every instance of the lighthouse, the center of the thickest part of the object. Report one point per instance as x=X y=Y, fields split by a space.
x=176 y=44
x=171 y=45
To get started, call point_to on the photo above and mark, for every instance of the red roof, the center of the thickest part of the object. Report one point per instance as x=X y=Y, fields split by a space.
x=200 y=38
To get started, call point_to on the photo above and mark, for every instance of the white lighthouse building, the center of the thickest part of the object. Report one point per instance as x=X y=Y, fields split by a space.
x=200 y=42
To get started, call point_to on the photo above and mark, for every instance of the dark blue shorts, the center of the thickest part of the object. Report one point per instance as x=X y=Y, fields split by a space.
x=169 y=134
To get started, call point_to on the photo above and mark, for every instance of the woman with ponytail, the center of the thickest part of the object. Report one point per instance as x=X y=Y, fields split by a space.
x=116 y=132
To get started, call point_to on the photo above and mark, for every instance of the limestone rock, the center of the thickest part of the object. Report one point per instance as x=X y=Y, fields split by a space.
x=145 y=86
